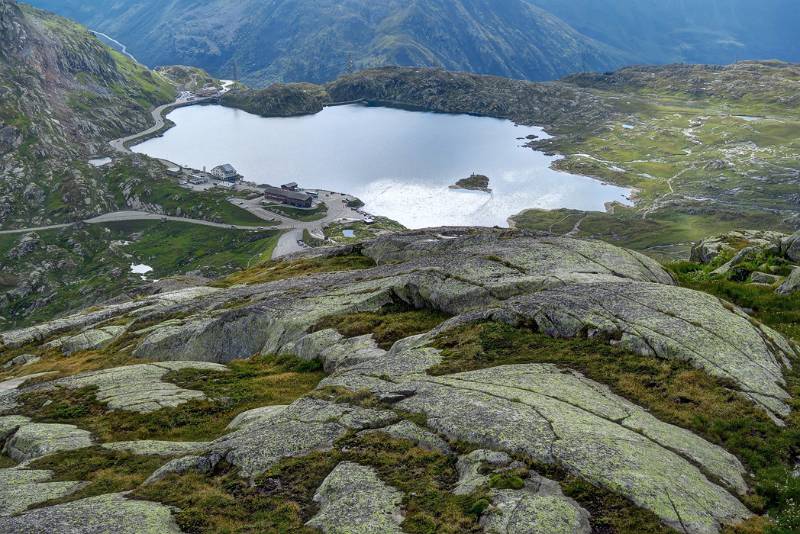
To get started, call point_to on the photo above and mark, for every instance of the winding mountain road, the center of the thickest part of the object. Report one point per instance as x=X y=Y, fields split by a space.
x=120 y=216
x=120 y=145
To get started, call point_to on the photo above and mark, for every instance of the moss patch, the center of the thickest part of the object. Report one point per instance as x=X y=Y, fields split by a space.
x=281 y=270
x=281 y=499
x=387 y=326
x=260 y=381
x=105 y=471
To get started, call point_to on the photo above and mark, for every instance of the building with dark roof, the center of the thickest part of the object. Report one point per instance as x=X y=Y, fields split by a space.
x=291 y=198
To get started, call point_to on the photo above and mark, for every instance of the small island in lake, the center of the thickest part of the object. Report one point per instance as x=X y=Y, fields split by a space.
x=476 y=182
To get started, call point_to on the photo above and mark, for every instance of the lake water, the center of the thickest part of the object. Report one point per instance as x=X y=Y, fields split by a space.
x=400 y=163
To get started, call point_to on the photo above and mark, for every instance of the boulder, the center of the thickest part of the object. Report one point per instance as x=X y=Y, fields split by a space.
x=790 y=247
x=707 y=250
x=93 y=339
x=470 y=473
x=22 y=488
x=34 y=440
x=764 y=278
x=255 y=416
x=353 y=500
x=95 y=515
x=792 y=283
x=740 y=257
x=539 y=507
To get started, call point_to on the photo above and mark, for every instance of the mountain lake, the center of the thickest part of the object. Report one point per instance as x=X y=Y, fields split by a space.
x=400 y=163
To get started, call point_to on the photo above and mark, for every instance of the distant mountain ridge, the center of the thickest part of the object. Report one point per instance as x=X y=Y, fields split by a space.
x=317 y=40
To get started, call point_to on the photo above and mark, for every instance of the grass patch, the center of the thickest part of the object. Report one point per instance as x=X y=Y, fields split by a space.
x=106 y=471
x=253 y=383
x=387 y=326
x=281 y=270
x=281 y=499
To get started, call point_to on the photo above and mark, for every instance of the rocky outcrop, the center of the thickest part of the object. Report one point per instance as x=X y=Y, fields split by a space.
x=26 y=440
x=708 y=249
x=136 y=388
x=791 y=285
x=96 y=515
x=540 y=506
x=95 y=338
x=550 y=415
x=666 y=322
x=305 y=426
x=353 y=500
x=561 y=417
x=22 y=488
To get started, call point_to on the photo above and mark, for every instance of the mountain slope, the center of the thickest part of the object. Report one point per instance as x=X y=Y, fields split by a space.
x=316 y=40
x=313 y=40
x=688 y=31
x=64 y=94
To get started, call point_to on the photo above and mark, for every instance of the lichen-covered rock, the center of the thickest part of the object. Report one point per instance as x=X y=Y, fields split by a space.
x=792 y=283
x=22 y=359
x=407 y=430
x=470 y=475
x=92 y=339
x=152 y=304
x=180 y=466
x=22 y=488
x=306 y=425
x=746 y=254
x=539 y=507
x=563 y=418
x=353 y=500
x=708 y=249
x=34 y=440
x=96 y=515
x=255 y=416
x=790 y=246
x=453 y=270
x=764 y=278
x=157 y=448
x=668 y=322
x=137 y=388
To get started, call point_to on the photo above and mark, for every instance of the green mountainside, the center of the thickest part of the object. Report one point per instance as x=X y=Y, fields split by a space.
x=64 y=96
x=317 y=40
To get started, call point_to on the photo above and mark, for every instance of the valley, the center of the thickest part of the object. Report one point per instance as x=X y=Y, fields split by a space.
x=399 y=299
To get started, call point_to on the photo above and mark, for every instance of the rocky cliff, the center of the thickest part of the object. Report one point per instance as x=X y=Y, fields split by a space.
x=474 y=380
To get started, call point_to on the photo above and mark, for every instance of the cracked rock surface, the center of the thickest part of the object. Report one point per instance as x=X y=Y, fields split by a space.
x=538 y=507
x=353 y=500
x=23 y=488
x=95 y=515
x=137 y=388
x=553 y=416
